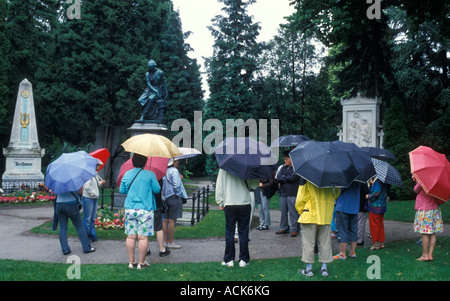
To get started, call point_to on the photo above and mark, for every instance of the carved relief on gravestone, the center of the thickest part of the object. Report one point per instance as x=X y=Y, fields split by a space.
x=361 y=121
x=359 y=130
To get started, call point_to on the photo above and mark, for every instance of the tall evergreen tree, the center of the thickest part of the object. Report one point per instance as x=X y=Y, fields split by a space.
x=183 y=75
x=234 y=62
x=5 y=70
x=232 y=67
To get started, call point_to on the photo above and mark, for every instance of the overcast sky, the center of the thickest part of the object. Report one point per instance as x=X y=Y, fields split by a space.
x=196 y=15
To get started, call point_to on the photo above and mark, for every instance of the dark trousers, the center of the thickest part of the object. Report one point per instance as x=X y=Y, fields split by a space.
x=239 y=214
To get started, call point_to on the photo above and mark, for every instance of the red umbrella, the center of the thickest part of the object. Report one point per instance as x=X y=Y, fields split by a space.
x=156 y=164
x=101 y=154
x=432 y=170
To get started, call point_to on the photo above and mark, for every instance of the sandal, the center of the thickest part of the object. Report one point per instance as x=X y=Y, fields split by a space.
x=324 y=272
x=305 y=272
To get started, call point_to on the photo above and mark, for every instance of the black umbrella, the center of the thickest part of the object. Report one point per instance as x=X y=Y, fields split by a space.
x=246 y=158
x=379 y=153
x=289 y=140
x=325 y=164
x=362 y=160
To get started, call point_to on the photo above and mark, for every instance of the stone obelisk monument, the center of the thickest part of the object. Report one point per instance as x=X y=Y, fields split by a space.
x=23 y=154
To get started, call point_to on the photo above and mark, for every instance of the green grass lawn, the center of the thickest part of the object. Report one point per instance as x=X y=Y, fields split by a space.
x=397 y=261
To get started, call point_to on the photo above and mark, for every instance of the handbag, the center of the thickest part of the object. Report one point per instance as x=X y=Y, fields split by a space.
x=78 y=202
x=162 y=206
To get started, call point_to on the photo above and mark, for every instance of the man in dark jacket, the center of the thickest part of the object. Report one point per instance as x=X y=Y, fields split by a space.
x=288 y=182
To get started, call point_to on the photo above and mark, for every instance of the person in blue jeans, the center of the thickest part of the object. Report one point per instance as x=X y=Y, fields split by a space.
x=89 y=201
x=66 y=207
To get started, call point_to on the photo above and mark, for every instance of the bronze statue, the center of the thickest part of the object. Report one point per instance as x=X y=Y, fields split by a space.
x=153 y=100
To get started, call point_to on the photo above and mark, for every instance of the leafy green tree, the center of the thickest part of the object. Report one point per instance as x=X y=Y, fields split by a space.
x=396 y=140
x=364 y=53
x=287 y=65
x=95 y=72
x=421 y=69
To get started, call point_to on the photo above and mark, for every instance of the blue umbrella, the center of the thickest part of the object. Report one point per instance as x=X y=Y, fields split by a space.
x=246 y=158
x=70 y=171
x=387 y=173
x=362 y=160
x=379 y=153
x=289 y=140
x=324 y=164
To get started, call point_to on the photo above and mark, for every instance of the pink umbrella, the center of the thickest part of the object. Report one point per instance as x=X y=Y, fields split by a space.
x=156 y=164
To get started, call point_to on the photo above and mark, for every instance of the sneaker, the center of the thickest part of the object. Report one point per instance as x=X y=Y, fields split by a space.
x=173 y=246
x=164 y=253
x=324 y=272
x=229 y=264
x=132 y=265
x=143 y=265
x=149 y=252
x=305 y=272
x=90 y=250
x=339 y=256
x=243 y=264
x=352 y=255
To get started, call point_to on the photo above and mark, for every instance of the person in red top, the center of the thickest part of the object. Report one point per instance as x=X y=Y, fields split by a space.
x=428 y=221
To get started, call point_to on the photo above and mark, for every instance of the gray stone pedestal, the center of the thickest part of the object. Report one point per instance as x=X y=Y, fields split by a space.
x=148 y=128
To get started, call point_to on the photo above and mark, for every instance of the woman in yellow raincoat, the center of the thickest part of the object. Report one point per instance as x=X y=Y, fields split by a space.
x=315 y=206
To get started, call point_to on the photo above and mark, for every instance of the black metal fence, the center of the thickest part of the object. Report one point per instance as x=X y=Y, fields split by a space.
x=198 y=203
x=201 y=199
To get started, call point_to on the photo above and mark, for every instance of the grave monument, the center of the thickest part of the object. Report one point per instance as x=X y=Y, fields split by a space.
x=360 y=123
x=153 y=104
x=23 y=154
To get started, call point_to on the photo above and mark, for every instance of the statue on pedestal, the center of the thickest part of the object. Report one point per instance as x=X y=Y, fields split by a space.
x=154 y=99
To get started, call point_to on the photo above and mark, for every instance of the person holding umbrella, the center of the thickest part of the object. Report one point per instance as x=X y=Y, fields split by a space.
x=139 y=185
x=428 y=221
x=315 y=206
x=173 y=192
x=233 y=197
x=377 y=200
x=289 y=182
x=65 y=177
x=89 y=201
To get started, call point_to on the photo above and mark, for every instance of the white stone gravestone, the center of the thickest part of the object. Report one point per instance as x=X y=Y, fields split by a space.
x=361 y=117
x=23 y=154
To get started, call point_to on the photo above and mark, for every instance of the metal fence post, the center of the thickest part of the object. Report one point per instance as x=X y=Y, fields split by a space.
x=193 y=209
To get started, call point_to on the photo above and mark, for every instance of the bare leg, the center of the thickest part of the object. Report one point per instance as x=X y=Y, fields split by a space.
x=160 y=239
x=353 y=245
x=142 y=247
x=425 y=247
x=432 y=245
x=169 y=229
x=130 y=244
